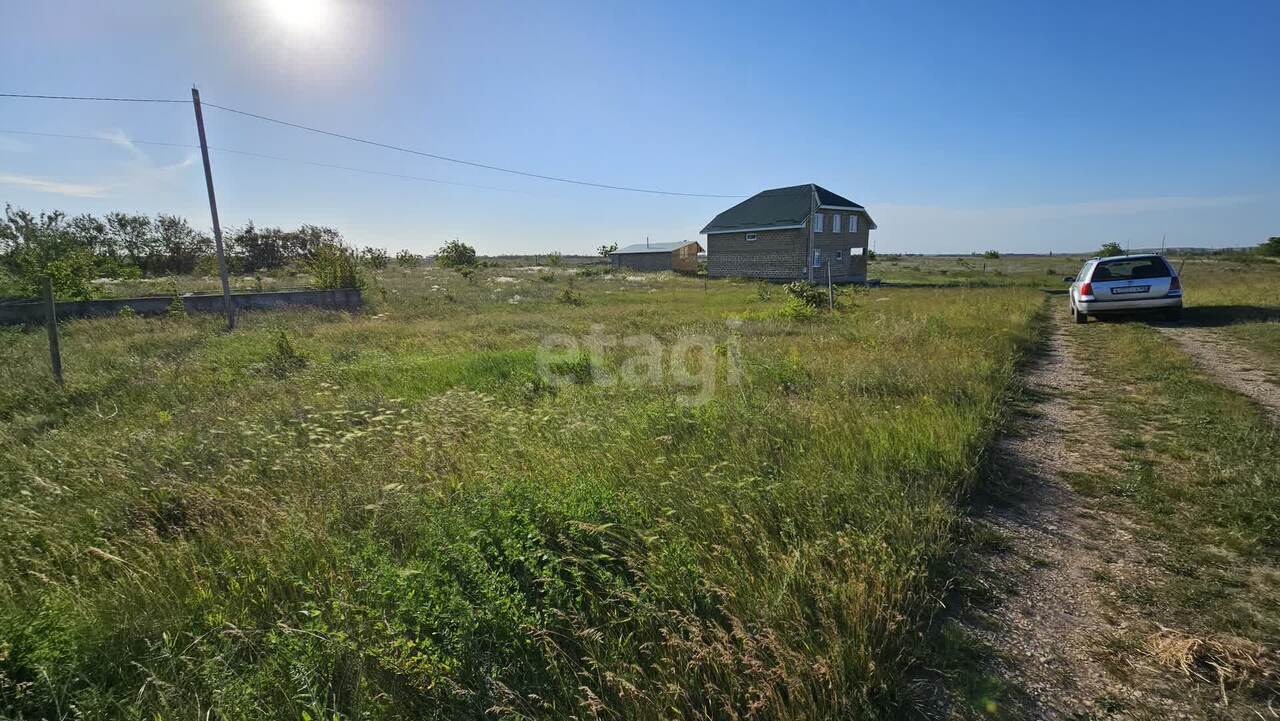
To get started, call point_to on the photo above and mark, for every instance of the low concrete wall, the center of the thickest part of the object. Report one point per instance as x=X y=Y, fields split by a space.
x=23 y=313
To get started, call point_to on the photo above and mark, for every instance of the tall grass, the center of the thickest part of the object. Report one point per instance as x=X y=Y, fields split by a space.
x=1243 y=298
x=411 y=526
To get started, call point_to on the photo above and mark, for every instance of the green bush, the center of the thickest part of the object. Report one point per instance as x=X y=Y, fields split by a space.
x=376 y=258
x=794 y=308
x=406 y=259
x=993 y=254
x=569 y=296
x=1111 y=249
x=283 y=358
x=1270 y=247
x=335 y=266
x=177 y=309
x=33 y=248
x=456 y=254
x=806 y=293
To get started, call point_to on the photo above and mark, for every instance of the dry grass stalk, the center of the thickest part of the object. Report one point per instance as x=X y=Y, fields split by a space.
x=1225 y=661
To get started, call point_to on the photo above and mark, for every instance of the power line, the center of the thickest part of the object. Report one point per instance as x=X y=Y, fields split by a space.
x=263 y=156
x=91 y=98
x=473 y=164
x=377 y=144
x=362 y=170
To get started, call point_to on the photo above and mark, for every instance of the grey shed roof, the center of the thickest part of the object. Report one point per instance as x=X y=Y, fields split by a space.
x=777 y=208
x=654 y=247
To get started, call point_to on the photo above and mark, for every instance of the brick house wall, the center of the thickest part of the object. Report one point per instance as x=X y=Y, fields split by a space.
x=643 y=261
x=847 y=267
x=773 y=255
x=784 y=254
x=683 y=259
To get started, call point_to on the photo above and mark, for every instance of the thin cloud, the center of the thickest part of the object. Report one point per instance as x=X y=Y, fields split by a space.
x=148 y=173
x=119 y=138
x=141 y=164
x=140 y=173
x=56 y=187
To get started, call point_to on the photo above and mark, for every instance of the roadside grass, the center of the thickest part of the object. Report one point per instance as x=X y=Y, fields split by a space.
x=975 y=271
x=965 y=663
x=387 y=514
x=1200 y=468
x=1243 y=299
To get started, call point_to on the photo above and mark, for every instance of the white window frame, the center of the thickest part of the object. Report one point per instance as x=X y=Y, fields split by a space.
x=751 y=237
x=817 y=222
x=835 y=222
x=853 y=223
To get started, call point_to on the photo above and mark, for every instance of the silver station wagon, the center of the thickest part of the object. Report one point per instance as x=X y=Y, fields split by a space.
x=1126 y=284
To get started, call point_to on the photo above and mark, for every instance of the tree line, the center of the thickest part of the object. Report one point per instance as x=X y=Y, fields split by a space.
x=73 y=250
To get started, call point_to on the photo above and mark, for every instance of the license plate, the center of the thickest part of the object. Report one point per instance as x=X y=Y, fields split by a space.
x=1130 y=289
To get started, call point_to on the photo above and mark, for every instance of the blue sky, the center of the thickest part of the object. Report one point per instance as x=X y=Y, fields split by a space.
x=1018 y=126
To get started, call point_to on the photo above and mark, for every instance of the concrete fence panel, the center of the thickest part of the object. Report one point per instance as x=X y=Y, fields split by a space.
x=33 y=312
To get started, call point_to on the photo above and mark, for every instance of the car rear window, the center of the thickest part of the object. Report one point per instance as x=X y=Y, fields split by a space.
x=1131 y=269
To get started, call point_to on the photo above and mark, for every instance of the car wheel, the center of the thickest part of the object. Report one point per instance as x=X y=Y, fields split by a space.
x=1078 y=316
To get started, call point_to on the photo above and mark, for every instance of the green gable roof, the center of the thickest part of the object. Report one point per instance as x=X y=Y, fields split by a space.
x=777 y=208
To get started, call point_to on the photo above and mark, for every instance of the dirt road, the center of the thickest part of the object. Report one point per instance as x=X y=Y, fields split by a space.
x=1056 y=581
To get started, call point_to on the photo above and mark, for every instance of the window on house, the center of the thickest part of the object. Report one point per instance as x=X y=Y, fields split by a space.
x=853 y=223
x=838 y=255
x=835 y=222
x=817 y=258
x=751 y=236
x=817 y=222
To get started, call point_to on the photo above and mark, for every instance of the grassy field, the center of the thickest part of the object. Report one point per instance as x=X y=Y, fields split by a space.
x=1239 y=294
x=1244 y=300
x=1032 y=271
x=394 y=515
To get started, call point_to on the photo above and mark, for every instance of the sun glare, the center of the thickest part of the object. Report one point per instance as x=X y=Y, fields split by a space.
x=304 y=17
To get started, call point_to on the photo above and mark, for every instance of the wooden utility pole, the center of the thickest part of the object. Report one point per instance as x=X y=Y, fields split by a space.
x=213 y=210
x=51 y=323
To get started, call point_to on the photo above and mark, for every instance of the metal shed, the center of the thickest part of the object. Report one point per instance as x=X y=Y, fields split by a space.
x=681 y=256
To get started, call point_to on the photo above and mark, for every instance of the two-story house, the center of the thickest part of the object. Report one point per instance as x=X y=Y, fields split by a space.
x=794 y=233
